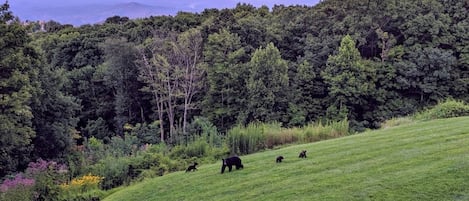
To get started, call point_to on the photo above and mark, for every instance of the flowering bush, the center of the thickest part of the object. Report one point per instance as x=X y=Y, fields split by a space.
x=47 y=175
x=17 y=188
x=41 y=166
x=82 y=184
x=81 y=188
x=17 y=181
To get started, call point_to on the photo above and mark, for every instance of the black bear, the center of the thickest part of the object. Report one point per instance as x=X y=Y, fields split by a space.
x=279 y=159
x=192 y=167
x=302 y=154
x=236 y=161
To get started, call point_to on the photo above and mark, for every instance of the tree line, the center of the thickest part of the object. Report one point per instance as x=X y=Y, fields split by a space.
x=365 y=61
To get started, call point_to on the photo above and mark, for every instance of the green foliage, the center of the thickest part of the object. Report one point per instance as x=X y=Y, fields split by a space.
x=149 y=165
x=199 y=150
x=267 y=86
x=97 y=129
x=91 y=195
x=159 y=148
x=245 y=140
x=196 y=148
x=47 y=175
x=18 y=83
x=19 y=193
x=122 y=146
x=5 y=13
x=307 y=99
x=226 y=78
x=351 y=83
x=347 y=75
x=55 y=115
x=113 y=169
x=146 y=133
x=446 y=109
x=121 y=77
x=95 y=149
x=202 y=129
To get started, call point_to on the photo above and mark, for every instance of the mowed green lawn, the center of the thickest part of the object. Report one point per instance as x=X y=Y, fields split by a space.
x=420 y=161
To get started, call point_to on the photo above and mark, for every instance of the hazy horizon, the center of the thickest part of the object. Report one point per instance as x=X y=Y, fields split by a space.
x=88 y=11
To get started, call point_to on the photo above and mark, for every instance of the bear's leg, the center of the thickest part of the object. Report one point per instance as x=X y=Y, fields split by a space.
x=223 y=169
x=230 y=167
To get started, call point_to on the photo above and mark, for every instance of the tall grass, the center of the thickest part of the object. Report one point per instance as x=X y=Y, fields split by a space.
x=319 y=131
x=259 y=136
x=396 y=121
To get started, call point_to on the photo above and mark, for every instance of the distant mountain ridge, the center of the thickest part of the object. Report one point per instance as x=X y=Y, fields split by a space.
x=88 y=12
x=94 y=13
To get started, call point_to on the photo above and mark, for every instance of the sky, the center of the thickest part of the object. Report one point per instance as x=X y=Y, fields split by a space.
x=188 y=3
x=80 y=12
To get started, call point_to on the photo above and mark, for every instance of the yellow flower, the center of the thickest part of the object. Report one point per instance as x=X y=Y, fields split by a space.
x=83 y=183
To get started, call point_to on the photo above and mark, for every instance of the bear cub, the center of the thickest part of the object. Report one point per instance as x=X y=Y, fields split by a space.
x=302 y=154
x=192 y=167
x=279 y=159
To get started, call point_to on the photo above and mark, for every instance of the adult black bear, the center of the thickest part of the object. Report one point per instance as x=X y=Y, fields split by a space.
x=192 y=167
x=279 y=159
x=302 y=154
x=236 y=161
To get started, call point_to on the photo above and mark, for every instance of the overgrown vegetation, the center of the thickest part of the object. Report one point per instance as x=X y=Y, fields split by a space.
x=446 y=109
x=255 y=137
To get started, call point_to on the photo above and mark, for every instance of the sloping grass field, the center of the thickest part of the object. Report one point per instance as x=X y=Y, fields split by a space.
x=418 y=161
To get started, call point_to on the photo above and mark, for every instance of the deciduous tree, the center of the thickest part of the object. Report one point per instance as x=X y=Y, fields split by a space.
x=18 y=81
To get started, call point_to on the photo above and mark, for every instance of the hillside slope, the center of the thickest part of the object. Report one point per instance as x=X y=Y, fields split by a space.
x=422 y=161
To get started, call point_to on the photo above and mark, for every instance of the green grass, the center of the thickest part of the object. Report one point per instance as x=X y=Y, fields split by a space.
x=419 y=161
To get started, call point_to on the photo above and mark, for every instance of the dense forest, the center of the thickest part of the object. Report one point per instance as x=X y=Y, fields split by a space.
x=162 y=79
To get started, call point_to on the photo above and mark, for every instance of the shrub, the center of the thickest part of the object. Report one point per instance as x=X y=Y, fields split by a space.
x=146 y=132
x=446 y=109
x=78 y=188
x=198 y=148
x=17 y=181
x=125 y=146
x=93 y=195
x=47 y=176
x=113 y=169
x=17 y=188
x=158 y=148
x=81 y=184
x=201 y=127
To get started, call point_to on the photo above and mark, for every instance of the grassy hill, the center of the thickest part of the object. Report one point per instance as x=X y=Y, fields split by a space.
x=420 y=161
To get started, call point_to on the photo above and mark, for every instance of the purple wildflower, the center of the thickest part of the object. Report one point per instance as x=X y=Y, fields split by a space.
x=18 y=181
